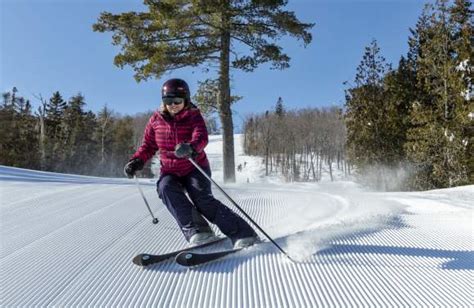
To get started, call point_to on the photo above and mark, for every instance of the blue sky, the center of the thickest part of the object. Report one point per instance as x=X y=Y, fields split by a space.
x=49 y=45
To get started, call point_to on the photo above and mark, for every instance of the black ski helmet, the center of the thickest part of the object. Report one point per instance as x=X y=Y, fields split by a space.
x=176 y=88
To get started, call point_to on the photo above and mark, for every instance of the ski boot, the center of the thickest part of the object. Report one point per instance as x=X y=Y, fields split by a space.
x=202 y=238
x=245 y=242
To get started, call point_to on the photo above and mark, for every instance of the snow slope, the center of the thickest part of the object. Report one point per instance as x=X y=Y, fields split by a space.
x=68 y=241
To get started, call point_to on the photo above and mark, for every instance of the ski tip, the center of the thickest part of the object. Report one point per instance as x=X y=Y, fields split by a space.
x=191 y=259
x=185 y=258
x=141 y=260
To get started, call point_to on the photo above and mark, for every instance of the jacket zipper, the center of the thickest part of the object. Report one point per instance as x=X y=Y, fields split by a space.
x=175 y=133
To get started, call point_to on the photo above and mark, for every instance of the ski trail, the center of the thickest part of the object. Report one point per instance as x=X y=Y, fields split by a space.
x=363 y=249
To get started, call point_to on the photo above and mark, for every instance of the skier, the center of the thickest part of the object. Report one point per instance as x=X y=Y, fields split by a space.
x=177 y=132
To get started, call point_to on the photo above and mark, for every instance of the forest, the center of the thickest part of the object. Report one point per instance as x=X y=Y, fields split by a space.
x=409 y=127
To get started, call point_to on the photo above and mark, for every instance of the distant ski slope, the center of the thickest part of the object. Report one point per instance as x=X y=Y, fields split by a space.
x=68 y=240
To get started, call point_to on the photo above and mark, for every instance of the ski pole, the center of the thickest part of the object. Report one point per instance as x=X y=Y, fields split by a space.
x=240 y=209
x=155 y=220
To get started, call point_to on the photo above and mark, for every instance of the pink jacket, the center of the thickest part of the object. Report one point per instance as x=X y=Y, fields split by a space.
x=163 y=133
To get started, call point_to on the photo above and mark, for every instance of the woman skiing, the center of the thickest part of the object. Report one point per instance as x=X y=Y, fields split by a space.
x=177 y=132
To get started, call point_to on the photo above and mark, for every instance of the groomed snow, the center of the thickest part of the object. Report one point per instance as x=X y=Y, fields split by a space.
x=68 y=241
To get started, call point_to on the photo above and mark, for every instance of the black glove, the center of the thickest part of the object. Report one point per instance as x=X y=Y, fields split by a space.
x=132 y=166
x=184 y=150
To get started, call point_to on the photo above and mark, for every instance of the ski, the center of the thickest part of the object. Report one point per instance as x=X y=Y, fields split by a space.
x=190 y=258
x=146 y=259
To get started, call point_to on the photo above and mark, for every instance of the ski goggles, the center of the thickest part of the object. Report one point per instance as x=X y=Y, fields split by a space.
x=168 y=101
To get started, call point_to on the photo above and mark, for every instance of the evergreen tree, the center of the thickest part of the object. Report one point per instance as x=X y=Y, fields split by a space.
x=173 y=34
x=55 y=108
x=461 y=17
x=399 y=93
x=80 y=148
x=368 y=133
x=7 y=137
x=54 y=135
x=206 y=99
x=279 y=109
x=417 y=37
x=86 y=144
x=18 y=140
x=123 y=146
x=27 y=143
x=206 y=96
x=437 y=142
x=13 y=102
x=6 y=101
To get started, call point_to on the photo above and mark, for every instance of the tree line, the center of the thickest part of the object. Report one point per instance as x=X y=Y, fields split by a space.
x=405 y=128
x=219 y=36
x=298 y=143
x=61 y=136
x=417 y=120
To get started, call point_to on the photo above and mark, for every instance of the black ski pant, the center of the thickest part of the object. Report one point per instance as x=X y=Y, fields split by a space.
x=189 y=212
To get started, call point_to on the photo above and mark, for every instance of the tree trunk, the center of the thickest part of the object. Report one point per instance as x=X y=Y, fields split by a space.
x=102 y=141
x=102 y=145
x=42 y=139
x=225 y=112
x=321 y=165
x=42 y=136
x=266 y=160
x=312 y=166
x=330 y=169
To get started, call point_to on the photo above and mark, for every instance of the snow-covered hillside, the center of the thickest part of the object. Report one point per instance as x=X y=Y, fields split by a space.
x=68 y=240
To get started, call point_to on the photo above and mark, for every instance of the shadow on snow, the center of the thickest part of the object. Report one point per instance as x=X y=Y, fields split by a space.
x=457 y=260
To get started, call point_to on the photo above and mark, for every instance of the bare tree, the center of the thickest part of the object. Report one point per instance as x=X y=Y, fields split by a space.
x=297 y=143
x=42 y=130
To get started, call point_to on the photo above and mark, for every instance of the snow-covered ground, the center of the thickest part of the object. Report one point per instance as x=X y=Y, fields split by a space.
x=68 y=241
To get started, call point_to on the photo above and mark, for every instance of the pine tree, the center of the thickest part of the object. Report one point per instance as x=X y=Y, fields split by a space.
x=461 y=17
x=122 y=146
x=55 y=136
x=419 y=36
x=7 y=122
x=279 y=109
x=368 y=136
x=55 y=108
x=206 y=98
x=174 y=34
x=399 y=93
x=437 y=142
x=27 y=143
x=18 y=140
x=80 y=148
